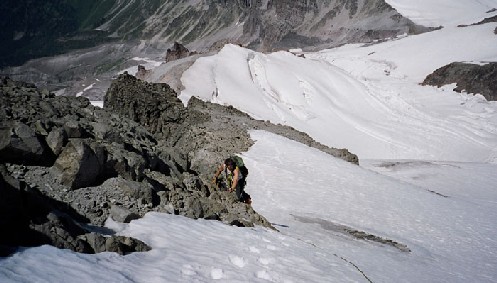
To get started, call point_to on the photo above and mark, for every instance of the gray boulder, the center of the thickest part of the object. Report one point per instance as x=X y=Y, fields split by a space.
x=56 y=140
x=119 y=244
x=121 y=198
x=123 y=215
x=20 y=144
x=78 y=165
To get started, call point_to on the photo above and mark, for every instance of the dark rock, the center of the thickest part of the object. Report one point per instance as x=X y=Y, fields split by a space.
x=73 y=129
x=62 y=232
x=56 y=140
x=20 y=144
x=38 y=203
x=125 y=245
x=178 y=51
x=5 y=131
x=471 y=78
x=119 y=244
x=484 y=21
x=116 y=196
x=154 y=106
x=78 y=165
x=142 y=72
x=13 y=218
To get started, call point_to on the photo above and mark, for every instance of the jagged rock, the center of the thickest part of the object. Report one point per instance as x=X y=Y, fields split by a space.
x=20 y=144
x=117 y=166
x=178 y=51
x=73 y=129
x=78 y=165
x=56 y=140
x=61 y=231
x=85 y=145
x=151 y=105
x=119 y=244
x=472 y=78
x=484 y=21
x=125 y=245
x=116 y=196
x=142 y=72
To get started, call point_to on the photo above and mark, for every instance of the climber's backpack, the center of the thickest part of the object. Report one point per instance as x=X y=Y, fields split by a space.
x=241 y=165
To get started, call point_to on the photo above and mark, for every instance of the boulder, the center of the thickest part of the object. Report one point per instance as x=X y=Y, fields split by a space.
x=61 y=231
x=178 y=51
x=78 y=165
x=122 y=199
x=56 y=140
x=118 y=244
x=123 y=215
x=20 y=144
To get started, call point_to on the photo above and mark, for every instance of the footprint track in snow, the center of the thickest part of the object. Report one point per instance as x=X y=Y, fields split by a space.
x=217 y=273
x=254 y=250
x=237 y=261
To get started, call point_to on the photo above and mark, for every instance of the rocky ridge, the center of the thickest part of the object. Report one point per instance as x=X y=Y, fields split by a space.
x=262 y=25
x=40 y=29
x=216 y=131
x=471 y=78
x=66 y=166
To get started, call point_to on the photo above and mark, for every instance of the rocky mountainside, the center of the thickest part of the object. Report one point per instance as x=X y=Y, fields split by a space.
x=66 y=166
x=262 y=25
x=35 y=29
x=31 y=29
x=471 y=78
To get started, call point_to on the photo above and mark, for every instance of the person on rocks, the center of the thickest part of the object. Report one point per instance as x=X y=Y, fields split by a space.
x=233 y=179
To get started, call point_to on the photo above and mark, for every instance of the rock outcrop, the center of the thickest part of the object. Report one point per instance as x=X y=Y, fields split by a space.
x=142 y=73
x=178 y=51
x=203 y=133
x=471 y=78
x=65 y=164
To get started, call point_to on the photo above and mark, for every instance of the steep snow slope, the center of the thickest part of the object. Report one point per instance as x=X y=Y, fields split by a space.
x=366 y=99
x=315 y=200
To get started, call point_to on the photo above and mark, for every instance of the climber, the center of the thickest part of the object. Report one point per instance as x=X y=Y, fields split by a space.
x=234 y=178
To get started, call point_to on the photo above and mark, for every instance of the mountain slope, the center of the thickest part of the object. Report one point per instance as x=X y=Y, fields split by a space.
x=383 y=221
x=314 y=200
x=366 y=99
x=44 y=29
x=264 y=25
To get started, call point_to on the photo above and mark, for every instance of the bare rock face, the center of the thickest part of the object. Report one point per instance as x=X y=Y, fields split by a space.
x=78 y=165
x=206 y=133
x=471 y=78
x=264 y=25
x=178 y=51
x=144 y=152
x=21 y=144
x=66 y=163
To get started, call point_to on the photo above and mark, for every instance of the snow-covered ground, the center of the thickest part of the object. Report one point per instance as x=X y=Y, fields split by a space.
x=444 y=12
x=427 y=179
x=366 y=99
